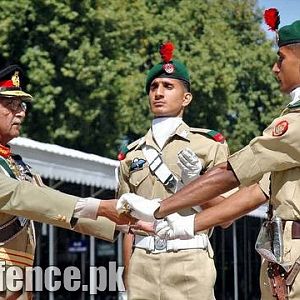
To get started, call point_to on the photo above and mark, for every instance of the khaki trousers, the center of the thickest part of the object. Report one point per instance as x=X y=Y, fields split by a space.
x=183 y=275
x=291 y=253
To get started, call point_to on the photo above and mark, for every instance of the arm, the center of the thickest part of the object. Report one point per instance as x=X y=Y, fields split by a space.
x=231 y=208
x=235 y=206
x=46 y=205
x=213 y=183
x=214 y=202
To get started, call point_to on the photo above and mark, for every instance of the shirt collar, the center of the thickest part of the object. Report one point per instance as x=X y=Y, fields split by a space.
x=295 y=96
x=182 y=130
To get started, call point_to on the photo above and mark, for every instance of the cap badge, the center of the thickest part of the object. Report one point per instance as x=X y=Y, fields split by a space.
x=169 y=68
x=280 y=128
x=16 y=79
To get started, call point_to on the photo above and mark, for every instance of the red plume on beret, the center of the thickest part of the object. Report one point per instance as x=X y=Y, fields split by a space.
x=272 y=18
x=166 y=51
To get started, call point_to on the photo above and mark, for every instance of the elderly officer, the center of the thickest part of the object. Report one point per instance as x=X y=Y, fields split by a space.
x=158 y=268
x=21 y=202
x=276 y=151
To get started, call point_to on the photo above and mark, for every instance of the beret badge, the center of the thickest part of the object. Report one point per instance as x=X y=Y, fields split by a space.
x=16 y=79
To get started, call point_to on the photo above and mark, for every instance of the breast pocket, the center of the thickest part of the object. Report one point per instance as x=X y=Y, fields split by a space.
x=140 y=180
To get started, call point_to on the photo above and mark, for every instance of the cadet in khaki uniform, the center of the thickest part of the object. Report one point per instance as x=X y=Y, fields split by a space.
x=158 y=268
x=20 y=202
x=276 y=151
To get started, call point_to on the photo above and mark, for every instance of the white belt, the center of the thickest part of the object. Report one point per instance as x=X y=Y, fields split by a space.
x=156 y=245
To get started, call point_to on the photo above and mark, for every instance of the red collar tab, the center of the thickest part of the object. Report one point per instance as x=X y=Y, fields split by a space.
x=123 y=152
x=5 y=151
x=217 y=136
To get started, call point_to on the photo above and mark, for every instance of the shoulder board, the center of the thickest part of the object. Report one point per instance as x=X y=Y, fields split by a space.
x=215 y=135
x=134 y=144
x=126 y=148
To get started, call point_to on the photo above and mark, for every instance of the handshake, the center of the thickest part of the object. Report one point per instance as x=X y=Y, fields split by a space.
x=172 y=227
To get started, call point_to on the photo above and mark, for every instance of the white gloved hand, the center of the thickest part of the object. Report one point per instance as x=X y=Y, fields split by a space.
x=138 y=207
x=190 y=165
x=176 y=226
x=123 y=295
x=162 y=228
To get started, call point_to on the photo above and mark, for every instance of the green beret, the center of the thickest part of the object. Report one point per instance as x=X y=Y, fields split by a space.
x=162 y=70
x=289 y=34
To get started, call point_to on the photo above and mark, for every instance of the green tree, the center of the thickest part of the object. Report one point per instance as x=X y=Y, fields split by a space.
x=86 y=61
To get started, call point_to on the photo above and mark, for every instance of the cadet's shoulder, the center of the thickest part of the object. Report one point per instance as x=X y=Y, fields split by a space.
x=125 y=149
x=209 y=134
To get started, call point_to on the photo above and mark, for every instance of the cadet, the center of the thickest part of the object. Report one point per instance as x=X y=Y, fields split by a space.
x=21 y=201
x=276 y=151
x=158 y=268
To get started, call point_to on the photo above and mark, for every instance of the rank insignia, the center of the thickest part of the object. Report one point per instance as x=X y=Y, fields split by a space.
x=137 y=164
x=16 y=79
x=280 y=128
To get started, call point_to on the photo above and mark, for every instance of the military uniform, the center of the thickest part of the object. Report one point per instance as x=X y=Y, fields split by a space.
x=21 y=202
x=17 y=245
x=278 y=151
x=158 y=270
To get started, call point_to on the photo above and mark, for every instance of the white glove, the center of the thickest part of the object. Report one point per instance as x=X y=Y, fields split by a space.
x=138 y=207
x=176 y=226
x=123 y=295
x=190 y=165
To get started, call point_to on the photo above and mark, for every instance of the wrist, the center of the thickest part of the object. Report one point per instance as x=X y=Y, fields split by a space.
x=157 y=214
x=104 y=208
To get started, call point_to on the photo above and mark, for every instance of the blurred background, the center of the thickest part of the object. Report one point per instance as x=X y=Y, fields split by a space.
x=85 y=64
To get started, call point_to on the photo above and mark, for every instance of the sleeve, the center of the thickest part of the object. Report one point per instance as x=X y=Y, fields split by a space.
x=264 y=184
x=278 y=149
x=219 y=153
x=42 y=204
x=88 y=223
x=102 y=228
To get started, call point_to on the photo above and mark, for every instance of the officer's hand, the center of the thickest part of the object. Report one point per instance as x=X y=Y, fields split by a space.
x=176 y=226
x=190 y=165
x=138 y=207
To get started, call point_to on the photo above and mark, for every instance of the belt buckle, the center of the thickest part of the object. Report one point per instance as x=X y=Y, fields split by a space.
x=159 y=244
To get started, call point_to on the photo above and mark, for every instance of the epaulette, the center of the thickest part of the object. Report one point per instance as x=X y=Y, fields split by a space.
x=125 y=148
x=215 y=135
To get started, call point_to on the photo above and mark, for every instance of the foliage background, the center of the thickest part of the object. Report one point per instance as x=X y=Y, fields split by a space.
x=85 y=64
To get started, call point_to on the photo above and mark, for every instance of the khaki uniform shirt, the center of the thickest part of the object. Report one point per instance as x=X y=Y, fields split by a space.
x=166 y=278
x=42 y=204
x=276 y=151
x=137 y=178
